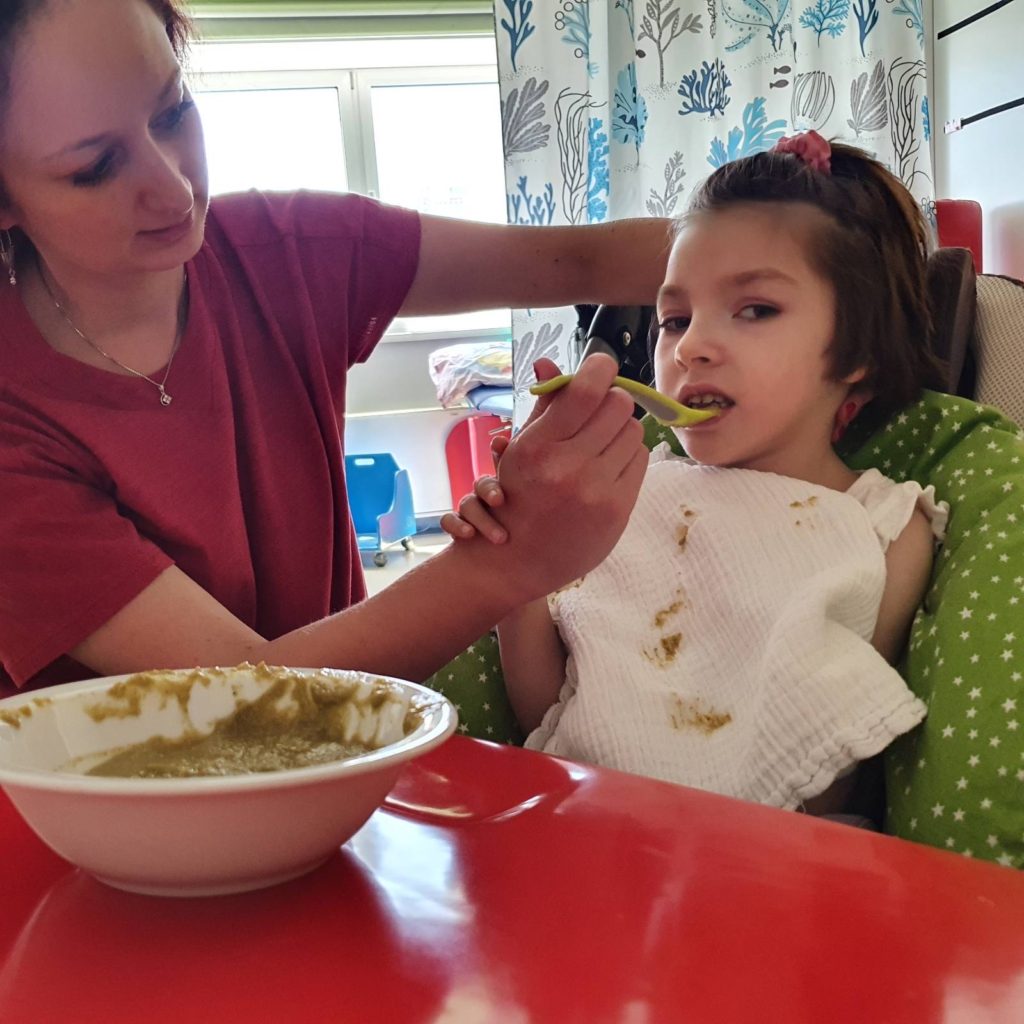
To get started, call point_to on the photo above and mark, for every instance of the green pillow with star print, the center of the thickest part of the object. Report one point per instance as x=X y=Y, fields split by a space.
x=474 y=684
x=956 y=780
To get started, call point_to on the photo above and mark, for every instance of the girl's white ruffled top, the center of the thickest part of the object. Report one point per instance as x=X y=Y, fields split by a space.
x=726 y=641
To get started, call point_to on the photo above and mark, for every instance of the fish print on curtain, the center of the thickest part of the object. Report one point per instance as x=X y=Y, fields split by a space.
x=618 y=108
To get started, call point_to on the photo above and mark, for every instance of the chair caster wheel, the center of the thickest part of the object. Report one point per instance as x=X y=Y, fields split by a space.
x=408 y=544
x=380 y=559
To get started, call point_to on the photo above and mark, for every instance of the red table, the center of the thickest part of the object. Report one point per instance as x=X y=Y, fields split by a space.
x=504 y=886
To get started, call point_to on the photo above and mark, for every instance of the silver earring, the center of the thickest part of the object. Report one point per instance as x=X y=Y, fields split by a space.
x=7 y=256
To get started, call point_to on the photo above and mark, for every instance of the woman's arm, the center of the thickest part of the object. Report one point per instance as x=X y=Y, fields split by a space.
x=532 y=662
x=408 y=630
x=570 y=481
x=466 y=265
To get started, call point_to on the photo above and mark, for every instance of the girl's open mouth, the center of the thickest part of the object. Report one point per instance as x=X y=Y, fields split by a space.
x=723 y=408
x=706 y=398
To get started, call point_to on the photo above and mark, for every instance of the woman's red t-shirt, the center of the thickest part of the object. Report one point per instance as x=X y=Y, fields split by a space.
x=240 y=481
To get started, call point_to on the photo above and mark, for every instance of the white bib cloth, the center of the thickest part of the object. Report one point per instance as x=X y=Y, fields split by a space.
x=726 y=641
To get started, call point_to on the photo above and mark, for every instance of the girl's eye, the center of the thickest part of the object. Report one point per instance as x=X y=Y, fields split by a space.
x=171 y=120
x=673 y=324
x=756 y=311
x=97 y=173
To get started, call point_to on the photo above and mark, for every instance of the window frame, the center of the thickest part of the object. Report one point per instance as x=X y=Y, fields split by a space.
x=340 y=80
x=221 y=67
x=366 y=79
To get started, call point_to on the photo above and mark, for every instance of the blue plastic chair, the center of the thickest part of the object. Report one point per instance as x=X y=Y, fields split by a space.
x=380 y=497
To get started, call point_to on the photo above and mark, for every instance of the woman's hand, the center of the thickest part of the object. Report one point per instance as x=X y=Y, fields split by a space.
x=570 y=479
x=473 y=517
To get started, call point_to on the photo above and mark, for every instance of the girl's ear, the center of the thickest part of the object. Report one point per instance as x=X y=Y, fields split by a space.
x=855 y=400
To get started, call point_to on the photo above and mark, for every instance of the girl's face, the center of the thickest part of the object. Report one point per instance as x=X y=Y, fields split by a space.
x=744 y=318
x=101 y=154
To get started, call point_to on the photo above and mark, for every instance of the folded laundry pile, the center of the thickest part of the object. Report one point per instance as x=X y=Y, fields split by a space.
x=457 y=369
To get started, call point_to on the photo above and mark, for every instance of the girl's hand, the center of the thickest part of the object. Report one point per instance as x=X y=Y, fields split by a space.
x=474 y=517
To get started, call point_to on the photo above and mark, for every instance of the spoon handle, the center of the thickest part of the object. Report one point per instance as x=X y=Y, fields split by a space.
x=665 y=410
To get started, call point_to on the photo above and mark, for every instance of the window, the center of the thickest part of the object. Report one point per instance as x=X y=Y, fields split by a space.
x=437 y=146
x=274 y=139
x=412 y=124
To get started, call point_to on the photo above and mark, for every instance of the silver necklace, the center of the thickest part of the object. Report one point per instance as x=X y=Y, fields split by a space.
x=165 y=398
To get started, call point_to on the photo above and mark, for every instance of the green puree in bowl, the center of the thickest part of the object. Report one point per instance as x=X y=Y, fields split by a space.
x=232 y=750
x=300 y=721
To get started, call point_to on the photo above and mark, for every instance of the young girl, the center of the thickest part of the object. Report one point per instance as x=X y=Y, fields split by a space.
x=739 y=636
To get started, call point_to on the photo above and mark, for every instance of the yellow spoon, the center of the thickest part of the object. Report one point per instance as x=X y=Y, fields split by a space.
x=667 y=411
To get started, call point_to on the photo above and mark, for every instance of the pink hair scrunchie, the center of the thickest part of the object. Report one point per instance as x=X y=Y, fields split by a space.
x=809 y=147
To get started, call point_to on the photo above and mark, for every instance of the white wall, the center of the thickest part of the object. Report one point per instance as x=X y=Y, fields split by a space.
x=978 y=67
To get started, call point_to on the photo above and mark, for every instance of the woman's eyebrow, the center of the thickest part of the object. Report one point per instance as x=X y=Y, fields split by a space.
x=97 y=140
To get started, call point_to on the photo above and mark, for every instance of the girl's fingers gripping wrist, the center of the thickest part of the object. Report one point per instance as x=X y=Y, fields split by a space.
x=489 y=491
x=456 y=527
x=473 y=511
x=498 y=445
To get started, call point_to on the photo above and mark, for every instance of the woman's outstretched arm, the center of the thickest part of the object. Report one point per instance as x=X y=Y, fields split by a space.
x=467 y=265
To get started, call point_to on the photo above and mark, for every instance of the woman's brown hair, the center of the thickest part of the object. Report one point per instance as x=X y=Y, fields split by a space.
x=872 y=248
x=15 y=15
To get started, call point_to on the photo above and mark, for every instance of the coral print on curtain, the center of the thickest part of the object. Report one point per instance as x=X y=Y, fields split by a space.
x=618 y=108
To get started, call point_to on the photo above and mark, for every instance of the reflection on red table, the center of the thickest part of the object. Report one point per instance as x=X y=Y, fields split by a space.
x=505 y=886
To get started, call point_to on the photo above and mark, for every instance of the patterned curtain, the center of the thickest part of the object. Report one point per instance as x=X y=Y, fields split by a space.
x=618 y=108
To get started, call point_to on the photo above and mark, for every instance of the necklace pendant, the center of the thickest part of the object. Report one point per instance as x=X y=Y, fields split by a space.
x=165 y=399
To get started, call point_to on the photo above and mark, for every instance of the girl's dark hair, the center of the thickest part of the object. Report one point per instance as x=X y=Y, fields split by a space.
x=872 y=248
x=16 y=14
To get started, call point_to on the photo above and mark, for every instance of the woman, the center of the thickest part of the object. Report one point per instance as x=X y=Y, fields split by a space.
x=172 y=398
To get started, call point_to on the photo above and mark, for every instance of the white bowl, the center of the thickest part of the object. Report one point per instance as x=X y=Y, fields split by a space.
x=193 y=836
